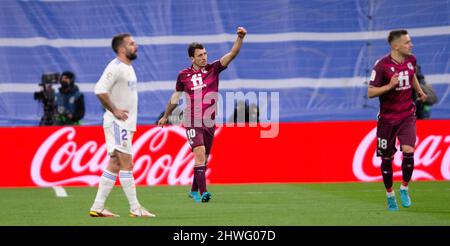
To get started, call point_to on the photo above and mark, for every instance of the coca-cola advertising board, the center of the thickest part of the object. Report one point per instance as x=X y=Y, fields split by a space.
x=299 y=152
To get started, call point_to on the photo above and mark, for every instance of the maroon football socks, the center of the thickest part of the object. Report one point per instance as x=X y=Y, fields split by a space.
x=199 y=176
x=194 y=181
x=386 y=172
x=407 y=167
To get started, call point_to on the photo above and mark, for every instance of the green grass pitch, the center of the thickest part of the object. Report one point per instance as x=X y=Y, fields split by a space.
x=234 y=205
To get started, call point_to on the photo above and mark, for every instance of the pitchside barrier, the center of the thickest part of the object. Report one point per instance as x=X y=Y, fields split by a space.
x=298 y=152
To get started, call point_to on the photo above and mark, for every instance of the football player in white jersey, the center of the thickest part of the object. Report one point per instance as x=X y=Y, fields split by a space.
x=117 y=92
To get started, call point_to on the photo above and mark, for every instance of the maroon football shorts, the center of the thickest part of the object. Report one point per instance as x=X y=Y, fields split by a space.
x=198 y=136
x=387 y=132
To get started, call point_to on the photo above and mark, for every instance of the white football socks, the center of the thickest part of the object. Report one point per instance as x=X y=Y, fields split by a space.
x=106 y=184
x=129 y=187
x=390 y=194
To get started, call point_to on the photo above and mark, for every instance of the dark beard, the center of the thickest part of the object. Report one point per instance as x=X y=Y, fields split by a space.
x=131 y=56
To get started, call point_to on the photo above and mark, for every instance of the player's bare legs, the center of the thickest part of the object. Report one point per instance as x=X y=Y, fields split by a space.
x=407 y=171
x=199 y=174
x=106 y=184
x=113 y=165
x=129 y=186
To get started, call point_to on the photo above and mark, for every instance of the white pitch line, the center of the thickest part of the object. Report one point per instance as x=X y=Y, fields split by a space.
x=60 y=191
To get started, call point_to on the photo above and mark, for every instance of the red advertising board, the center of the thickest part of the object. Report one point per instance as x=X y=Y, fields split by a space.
x=300 y=152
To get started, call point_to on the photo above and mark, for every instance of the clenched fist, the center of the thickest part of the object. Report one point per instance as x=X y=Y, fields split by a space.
x=241 y=32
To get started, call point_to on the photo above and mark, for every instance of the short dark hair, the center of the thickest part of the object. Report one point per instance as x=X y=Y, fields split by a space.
x=192 y=47
x=395 y=34
x=118 y=40
x=69 y=75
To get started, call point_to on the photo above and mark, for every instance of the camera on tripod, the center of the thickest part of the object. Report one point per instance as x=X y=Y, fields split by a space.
x=47 y=96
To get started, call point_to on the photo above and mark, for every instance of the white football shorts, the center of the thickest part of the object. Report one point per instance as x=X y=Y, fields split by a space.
x=118 y=138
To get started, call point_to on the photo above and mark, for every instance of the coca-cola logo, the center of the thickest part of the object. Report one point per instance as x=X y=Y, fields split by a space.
x=428 y=152
x=61 y=160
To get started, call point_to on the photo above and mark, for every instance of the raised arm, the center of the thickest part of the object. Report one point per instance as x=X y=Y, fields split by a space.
x=228 y=57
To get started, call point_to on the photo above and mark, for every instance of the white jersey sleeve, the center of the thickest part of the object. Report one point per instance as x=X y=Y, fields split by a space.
x=107 y=80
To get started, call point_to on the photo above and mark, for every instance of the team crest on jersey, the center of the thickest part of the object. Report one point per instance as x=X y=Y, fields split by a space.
x=204 y=70
x=392 y=69
x=410 y=66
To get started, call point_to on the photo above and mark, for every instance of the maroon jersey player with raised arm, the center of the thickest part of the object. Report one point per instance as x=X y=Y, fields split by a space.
x=200 y=84
x=393 y=79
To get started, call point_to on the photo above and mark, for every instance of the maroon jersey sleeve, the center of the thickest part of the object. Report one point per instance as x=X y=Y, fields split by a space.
x=377 y=76
x=180 y=85
x=218 y=66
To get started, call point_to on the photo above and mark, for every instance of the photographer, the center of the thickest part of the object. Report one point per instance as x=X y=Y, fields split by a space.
x=243 y=112
x=69 y=101
x=47 y=97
